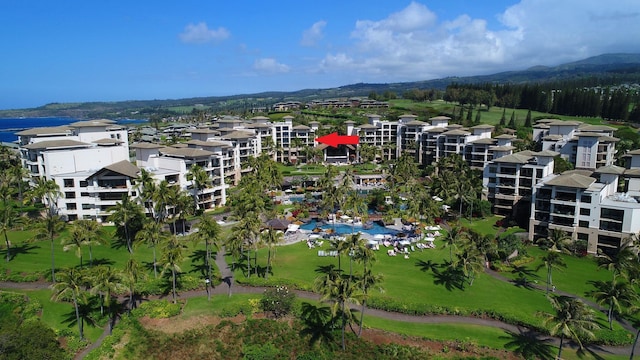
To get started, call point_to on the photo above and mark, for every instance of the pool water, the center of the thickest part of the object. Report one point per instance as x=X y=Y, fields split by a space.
x=345 y=229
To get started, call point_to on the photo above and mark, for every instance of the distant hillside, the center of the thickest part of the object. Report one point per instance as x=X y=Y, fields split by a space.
x=615 y=68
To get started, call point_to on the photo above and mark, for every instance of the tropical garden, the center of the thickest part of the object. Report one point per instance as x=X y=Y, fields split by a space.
x=162 y=250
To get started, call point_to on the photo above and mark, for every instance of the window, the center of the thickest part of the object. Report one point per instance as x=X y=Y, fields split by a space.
x=86 y=206
x=583 y=224
x=84 y=183
x=538 y=173
x=70 y=195
x=584 y=211
x=84 y=194
x=585 y=199
x=612 y=214
x=68 y=182
x=71 y=206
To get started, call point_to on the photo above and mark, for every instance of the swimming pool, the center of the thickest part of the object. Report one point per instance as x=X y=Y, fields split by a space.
x=345 y=229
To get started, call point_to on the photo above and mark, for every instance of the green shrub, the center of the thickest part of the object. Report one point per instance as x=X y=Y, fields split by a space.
x=260 y=352
x=157 y=309
x=278 y=301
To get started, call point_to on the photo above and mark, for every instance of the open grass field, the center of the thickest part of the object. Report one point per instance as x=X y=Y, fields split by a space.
x=491 y=116
x=421 y=285
x=418 y=283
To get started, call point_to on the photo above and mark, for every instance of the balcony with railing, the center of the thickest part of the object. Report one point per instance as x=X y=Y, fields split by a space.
x=562 y=221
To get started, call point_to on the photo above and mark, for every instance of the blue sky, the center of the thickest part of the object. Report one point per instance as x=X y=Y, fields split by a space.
x=68 y=51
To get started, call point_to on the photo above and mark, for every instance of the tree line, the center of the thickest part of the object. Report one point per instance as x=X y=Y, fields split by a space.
x=571 y=98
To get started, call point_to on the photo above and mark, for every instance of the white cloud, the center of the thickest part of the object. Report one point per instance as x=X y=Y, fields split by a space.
x=200 y=34
x=270 y=66
x=414 y=44
x=313 y=34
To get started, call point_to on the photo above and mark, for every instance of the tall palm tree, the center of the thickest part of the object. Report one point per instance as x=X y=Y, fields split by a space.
x=367 y=281
x=48 y=192
x=132 y=272
x=552 y=260
x=74 y=241
x=200 y=179
x=106 y=282
x=69 y=286
x=271 y=237
x=146 y=187
x=9 y=219
x=470 y=261
x=48 y=228
x=124 y=212
x=209 y=232
x=454 y=237
x=337 y=289
x=572 y=319
x=557 y=240
x=152 y=234
x=616 y=295
x=353 y=246
x=172 y=256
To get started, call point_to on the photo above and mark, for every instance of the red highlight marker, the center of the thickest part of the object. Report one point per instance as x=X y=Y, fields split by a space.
x=334 y=139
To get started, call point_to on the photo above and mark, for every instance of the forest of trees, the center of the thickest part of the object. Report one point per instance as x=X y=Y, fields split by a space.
x=571 y=98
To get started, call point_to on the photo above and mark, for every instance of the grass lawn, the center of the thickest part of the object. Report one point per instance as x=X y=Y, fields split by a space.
x=484 y=226
x=58 y=314
x=313 y=169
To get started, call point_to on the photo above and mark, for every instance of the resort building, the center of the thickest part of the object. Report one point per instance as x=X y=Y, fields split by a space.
x=508 y=181
x=587 y=205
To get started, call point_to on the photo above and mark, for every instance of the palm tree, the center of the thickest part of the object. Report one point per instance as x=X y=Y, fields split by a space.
x=209 y=232
x=123 y=213
x=146 y=187
x=153 y=235
x=368 y=281
x=556 y=240
x=471 y=262
x=271 y=238
x=616 y=295
x=200 y=180
x=353 y=246
x=74 y=241
x=621 y=262
x=106 y=282
x=9 y=219
x=572 y=319
x=133 y=272
x=48 y=228
x=337 y=289
x=454 y=237
x=172 y=256
x=48 y=192
x=552 y=260
x=69 y=285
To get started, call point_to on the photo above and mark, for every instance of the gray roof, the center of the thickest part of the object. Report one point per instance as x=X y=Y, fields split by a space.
x=368 y=126
x=610 y=169
x=633 y=172
x=91 y=123
x=505 y=136
x=572 y=181
x=301 y=127
x=107 y=141
x=596 y=128
x=549 y=153
x=186 y=152
x=552 y=137
x=204 y=131
x=485 y=141
x=237 y=135
x=483 y=126
x=45 y=130
x=541 y=126
x=208 y=143
x=123 y=167
x=416 y=123
x=440 y=118
x=145 y=145
x=517 y=158
x=557 y=122
x=502 y=148
x=633 y=152
x=55 y=144
x=456 y=132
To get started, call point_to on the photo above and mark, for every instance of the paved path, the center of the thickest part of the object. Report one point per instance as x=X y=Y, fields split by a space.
x=228 y=287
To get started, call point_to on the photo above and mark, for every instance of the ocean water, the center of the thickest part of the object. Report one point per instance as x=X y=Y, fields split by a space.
x=9 y=126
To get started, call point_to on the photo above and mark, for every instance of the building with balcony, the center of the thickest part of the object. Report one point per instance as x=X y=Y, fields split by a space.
x=588 y=205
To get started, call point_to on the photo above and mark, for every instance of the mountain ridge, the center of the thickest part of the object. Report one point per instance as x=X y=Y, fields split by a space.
x=622 y=65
